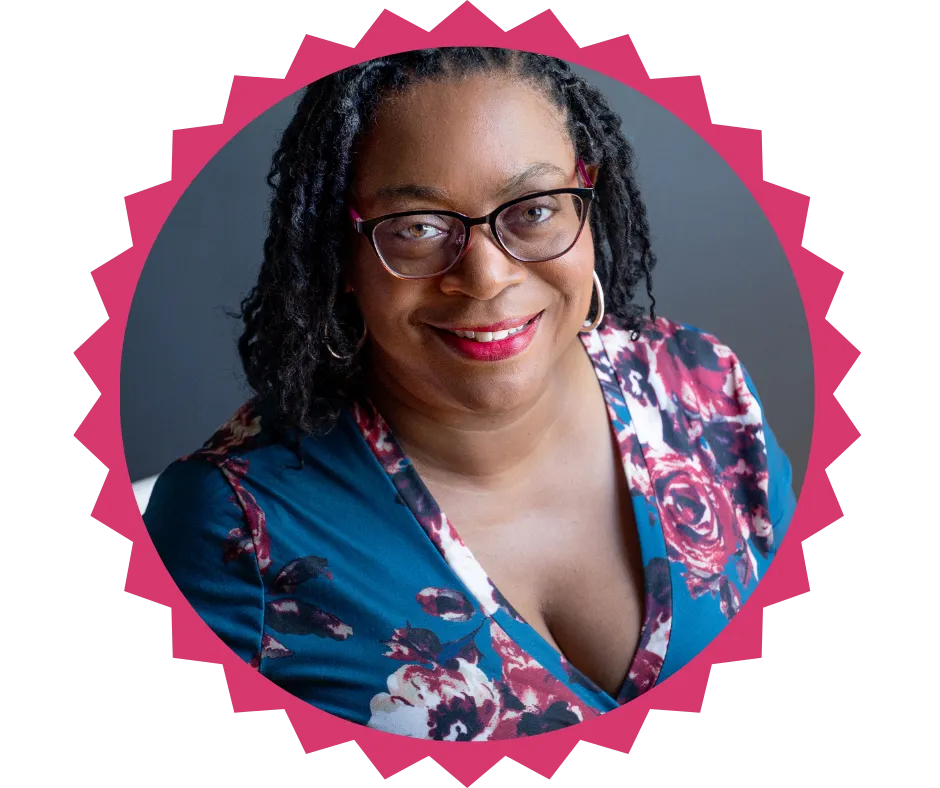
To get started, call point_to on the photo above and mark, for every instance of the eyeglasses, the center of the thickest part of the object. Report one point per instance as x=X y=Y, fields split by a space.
x=531 y=229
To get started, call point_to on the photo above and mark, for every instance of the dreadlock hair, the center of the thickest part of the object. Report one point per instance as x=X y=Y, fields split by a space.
x=297 y=306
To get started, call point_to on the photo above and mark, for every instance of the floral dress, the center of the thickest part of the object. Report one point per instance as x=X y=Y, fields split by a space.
x=326 y=563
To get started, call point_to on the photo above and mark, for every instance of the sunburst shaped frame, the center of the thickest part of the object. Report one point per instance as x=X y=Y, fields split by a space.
x=116 y=280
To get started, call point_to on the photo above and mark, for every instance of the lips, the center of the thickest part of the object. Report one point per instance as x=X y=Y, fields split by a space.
x=481 y=335
x=493 y=342
x=502 y=325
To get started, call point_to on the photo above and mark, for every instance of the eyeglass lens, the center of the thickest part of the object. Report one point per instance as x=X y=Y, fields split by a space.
x=537 y=229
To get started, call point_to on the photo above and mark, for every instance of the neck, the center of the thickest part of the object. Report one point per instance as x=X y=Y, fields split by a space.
x=484 y=451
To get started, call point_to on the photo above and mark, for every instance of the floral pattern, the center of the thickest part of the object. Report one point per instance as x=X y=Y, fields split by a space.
x=447 y=704
x=445 y=603
x=443 y=693
x=412 y=491
x=342 y=580
x=654 y=637
x=252 y=537
x=704 y=451
x=239 y=432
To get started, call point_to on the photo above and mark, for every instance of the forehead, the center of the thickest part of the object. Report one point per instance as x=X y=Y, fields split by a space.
x=464 y=136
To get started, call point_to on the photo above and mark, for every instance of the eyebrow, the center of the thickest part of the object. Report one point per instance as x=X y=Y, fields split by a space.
x=430 y=193
x=531 y=173
x=413 y=190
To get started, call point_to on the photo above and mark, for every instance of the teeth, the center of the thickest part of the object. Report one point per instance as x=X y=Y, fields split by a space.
x=490 y=336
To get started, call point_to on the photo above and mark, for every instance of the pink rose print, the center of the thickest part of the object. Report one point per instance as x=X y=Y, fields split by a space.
x=702 y=528
x=448 y=696
x=708 y=391
x=536 y=701
x=459 y=704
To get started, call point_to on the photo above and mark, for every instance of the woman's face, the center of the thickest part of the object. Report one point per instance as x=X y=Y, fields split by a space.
x=467 y=146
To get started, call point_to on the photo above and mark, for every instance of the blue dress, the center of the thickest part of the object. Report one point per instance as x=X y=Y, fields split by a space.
x=326 y=563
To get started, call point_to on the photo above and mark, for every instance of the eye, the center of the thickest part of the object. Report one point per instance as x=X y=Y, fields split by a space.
x=534 y=214
x=410 y=229
x=421 y=231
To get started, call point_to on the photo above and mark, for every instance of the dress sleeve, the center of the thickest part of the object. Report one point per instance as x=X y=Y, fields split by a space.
x=781 y=499
x=199 y=530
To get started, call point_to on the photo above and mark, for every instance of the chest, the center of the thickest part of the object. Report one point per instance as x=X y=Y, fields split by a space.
x=562 y=548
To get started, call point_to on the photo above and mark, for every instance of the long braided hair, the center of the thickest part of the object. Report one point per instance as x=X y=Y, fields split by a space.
x=297 y=305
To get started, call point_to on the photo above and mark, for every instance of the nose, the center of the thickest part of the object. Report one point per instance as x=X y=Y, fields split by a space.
x=484 y=270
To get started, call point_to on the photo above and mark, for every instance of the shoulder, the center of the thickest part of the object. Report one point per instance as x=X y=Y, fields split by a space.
x=690 y=394
x=249 y=438
x=248 y=463
x=192 y=501
x=672 y=365
x=206 y=504
x=248 y=429
x=683 y=344
x=203 y=491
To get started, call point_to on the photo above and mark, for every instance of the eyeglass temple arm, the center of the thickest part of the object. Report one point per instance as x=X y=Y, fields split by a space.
x=587 y=179
x=357 y=219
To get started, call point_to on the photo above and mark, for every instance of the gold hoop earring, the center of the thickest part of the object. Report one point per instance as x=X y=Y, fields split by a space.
x=362 y=341
x=590 y=325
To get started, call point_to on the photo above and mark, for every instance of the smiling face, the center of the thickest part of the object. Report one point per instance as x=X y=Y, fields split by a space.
x=468 y=146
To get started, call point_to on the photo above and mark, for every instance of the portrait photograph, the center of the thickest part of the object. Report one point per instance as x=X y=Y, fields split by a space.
x=467 y=394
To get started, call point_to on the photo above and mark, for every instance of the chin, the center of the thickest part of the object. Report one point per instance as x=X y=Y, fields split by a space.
x=492 y=405
x=496 y=395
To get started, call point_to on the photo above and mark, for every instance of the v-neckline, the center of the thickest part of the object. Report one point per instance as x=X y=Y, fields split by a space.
x=417 y=497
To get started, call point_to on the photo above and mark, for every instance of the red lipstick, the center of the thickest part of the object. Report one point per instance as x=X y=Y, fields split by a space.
x=496 y=349
x=513 y=322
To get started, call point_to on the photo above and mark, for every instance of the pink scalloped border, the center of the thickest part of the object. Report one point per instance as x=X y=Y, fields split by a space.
x=100 y=355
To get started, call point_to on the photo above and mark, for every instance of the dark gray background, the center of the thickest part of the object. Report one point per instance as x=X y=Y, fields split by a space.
x=720 y=268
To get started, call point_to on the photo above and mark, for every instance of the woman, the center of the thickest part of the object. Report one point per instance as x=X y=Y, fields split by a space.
x=444 y=322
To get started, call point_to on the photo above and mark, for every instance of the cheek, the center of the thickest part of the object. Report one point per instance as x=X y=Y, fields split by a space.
x=572 y=279
x=365 y=268
x=386 y=303
x=585 y=268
